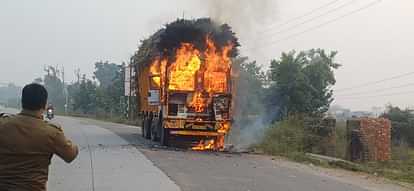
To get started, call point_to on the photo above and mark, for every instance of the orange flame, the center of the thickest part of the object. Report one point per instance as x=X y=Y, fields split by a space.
x=183 y=70
x=212 y=144
x=217 y=66
x=195 y=70
x=157 y=69
x=198 y=102
x=204 y=145
x=225 y=128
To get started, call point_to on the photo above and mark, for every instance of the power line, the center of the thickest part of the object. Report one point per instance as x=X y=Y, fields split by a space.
x=303 y=15
x=377 y=82
x=323 y=24
x=380 y=95
x=376 y=90
x=315 y=17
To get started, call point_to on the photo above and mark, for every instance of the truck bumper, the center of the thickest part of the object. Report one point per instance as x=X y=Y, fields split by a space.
x=195 y=133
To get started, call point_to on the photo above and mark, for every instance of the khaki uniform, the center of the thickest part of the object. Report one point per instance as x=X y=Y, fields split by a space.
x=27 y=144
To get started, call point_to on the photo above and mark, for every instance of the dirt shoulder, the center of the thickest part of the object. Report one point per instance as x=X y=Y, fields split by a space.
x=362 y=179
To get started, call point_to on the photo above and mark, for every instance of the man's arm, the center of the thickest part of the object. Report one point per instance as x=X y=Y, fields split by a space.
x=63 y=147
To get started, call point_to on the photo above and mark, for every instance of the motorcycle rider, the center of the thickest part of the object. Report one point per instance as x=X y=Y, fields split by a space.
x=27 y=144
x=50 y=111
x=50 y=106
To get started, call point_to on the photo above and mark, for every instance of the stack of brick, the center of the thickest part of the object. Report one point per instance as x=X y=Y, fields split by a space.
x=370 y=139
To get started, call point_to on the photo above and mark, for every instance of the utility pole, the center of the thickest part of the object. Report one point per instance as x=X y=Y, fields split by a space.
x=130 y=115
x=127 y=73
x=77 y=73
x=127 y=89
x=65 y=91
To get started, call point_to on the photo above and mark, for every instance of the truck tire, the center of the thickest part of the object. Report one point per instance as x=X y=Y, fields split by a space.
x=164 y=137
x=147 y=132
x=142 y=127
x=153 y=132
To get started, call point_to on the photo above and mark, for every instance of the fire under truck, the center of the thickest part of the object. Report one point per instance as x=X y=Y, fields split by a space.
x=184 y=83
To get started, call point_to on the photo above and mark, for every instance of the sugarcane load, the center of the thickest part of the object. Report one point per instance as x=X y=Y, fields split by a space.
x=185 y=83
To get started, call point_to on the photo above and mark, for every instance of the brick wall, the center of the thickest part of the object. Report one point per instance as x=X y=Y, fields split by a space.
x=370 y=139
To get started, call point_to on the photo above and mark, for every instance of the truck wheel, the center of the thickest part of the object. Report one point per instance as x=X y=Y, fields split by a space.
x=165 y=135
x=153 y=132
x=142 y=127
x=147 y=132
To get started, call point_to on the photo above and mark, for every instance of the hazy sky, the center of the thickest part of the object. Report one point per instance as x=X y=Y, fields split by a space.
x=373 y=44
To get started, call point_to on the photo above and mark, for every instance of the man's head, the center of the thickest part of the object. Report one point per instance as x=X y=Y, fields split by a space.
x=34 y=97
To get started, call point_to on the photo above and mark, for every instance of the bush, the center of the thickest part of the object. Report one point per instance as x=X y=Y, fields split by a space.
x=341 y=140
x=285 y=138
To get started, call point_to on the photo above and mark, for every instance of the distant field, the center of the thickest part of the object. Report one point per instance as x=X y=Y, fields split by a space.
x=8 y=110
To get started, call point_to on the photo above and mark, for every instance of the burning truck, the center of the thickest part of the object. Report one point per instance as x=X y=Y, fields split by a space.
x=185 y=84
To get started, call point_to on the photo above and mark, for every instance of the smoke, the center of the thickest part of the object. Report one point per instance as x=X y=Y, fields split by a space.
x=247 y=132
x=241 y=14
x=247 y=17
x=252 y=114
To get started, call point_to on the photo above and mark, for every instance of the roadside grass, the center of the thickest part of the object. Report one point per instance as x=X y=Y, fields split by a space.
x=286 y=138
x=401 y=169
x=341 y=140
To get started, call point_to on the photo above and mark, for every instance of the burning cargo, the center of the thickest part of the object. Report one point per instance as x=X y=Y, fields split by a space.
x=184 y=82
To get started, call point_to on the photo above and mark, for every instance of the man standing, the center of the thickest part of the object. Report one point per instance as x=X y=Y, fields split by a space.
x=27 y=144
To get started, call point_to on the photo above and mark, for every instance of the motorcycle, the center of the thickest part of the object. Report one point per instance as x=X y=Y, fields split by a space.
x=49 y=114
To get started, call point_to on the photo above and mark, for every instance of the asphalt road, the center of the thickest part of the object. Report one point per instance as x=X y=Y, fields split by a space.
x=106 y=162
x=115 y=157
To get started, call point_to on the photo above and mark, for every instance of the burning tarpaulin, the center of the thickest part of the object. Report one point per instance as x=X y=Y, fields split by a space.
x=188 y=47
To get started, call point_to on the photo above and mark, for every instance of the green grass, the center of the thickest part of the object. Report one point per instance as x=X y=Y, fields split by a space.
x=397 y=168
x=341 y=142
x=283 y=138
x=400 y=167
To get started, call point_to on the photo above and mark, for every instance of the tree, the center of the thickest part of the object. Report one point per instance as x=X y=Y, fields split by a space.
x=301 y=83
x=54 y=86
x=111 y=86
x=105 y=73
x=250 y=88
x=84 y=96
x=101 y=97
x=402 y=124
x=73 y=91
x=10 y=95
